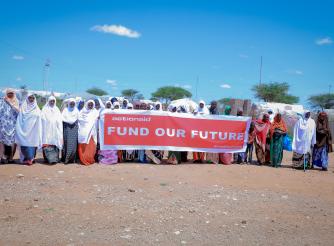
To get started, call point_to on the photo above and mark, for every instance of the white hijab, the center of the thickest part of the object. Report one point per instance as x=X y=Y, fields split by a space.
x=29 y=124
x=201 y=111
x=116 y=104
x=87 y=123
x=52 y=124
x=304 y=135
x=155 y=105
x=70 y=115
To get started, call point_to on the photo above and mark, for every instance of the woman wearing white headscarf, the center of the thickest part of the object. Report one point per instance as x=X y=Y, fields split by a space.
x=70 y=129
x=52 y=131
x=201 y=110
x=9 y=109
x=29 y=129
x=116 y=105
x=304 y=137
x=87 y=136
x=125 y=104
x=158 y=106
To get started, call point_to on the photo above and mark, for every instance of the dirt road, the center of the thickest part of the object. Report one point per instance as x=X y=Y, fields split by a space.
x=143 y=204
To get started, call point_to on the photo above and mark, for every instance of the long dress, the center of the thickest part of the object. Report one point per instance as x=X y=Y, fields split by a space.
x=107 y=157
x=52 y=132
x=87 y=135
x=70 y=130
x=277 y=132
x=29 y=130
x=8 y=116
x=199 y=157
x=261 y=141
x=323 y=142
x=304 y=136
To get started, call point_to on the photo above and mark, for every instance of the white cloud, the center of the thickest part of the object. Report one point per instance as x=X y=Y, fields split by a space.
x=112 y=82
x=243 y=56
x=295 y=72
x=225 y=86
x=17 y=57
x=187 y=86
x=18 y=79
x=117 y=30
x=324 y=41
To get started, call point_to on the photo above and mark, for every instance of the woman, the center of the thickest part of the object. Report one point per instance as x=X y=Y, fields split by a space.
x=87 y=135
x=29 y=129
x=323 y=142
x=262 y=128
x=201 y=110
x=107 y=157
x=9 y=109
x=70 y=130
x=226 y=158
x=239 y=156
x=277 y=132
x=213 y=157
x=304 y=137
x=52 y=131
x=173 y=157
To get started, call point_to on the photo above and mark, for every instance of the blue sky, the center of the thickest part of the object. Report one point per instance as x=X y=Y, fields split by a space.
x=117 y=45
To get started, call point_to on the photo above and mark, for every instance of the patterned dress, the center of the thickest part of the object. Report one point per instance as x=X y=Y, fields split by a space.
x=8 y=117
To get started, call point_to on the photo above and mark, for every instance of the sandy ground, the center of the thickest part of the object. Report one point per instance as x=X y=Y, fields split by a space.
x=143 y=204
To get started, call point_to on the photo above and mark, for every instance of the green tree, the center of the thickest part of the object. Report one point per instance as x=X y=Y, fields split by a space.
x=170 y=93
x=274 y=92
x=97 y=91
x=132 y=94
x=323 y=101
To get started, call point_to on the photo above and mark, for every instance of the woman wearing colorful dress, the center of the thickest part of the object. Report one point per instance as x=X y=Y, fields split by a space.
x=9 y=109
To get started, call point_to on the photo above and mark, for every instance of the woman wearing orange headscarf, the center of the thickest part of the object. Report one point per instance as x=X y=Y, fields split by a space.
x=277 y=132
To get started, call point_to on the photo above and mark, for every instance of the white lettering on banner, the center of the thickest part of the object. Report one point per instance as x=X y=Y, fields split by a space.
x=123 y=118
x=171 y=132
x=213 y=135
x=180 y=133
x=122 y=131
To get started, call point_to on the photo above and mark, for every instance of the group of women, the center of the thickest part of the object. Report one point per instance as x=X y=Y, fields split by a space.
x=310 y=141
x=71 y=135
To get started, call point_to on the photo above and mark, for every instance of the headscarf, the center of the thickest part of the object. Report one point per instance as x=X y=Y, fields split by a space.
x=130 y=106
x=52 y=124
x=70 y=115
x=98 y=102
x=29 y=124
x=87 y=123
x=277 y=124
x=125 y=106
x=108 y=103
x=261 y=130
x=324 y=136
x=155 y=106
x=215 y=110
x=12 y=101
x=227 y=110
x=304 y=135
x=116 y=103
x=240 y=112
x=201 y=111
x=271 y=116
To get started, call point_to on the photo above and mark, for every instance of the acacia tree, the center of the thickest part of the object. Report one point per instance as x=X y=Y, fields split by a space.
x=274 y=92
x=97 y=91
x=132 y=94
x=323 y=101
x=170 y=93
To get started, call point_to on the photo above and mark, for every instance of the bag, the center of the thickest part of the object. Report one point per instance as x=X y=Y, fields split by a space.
x=287 y=143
